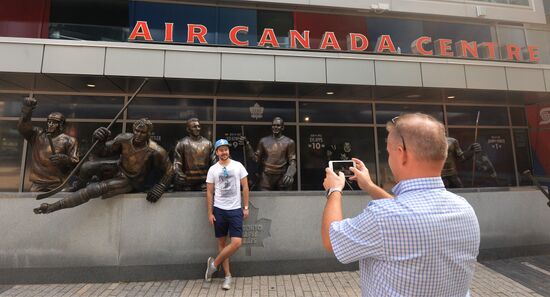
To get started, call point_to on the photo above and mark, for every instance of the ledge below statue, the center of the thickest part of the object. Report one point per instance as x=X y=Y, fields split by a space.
x=126 y=238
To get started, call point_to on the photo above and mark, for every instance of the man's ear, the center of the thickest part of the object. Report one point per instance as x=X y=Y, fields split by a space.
x=403 y=154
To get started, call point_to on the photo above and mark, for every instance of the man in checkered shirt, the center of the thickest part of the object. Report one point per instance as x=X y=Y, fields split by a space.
x=421 y=242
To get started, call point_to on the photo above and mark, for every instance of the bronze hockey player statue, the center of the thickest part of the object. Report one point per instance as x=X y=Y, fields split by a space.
x=276 y=155
x=53 y=152
x=139 y=155
x=449 y=173
x=192 y=158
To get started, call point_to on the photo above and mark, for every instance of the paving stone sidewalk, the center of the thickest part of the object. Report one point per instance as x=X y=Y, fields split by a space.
x=338 y=284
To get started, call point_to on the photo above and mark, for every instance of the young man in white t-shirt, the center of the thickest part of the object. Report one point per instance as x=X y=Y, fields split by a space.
x=223 y=199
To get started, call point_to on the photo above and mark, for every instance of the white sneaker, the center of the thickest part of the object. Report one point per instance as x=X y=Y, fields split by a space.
x=227 y=283
x=210 y=269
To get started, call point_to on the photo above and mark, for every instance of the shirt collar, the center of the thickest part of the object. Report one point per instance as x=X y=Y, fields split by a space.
x=418 y=184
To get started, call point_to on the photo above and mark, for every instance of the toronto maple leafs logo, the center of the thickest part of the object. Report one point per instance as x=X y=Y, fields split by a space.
x=544 y=116
x=256 y=111
x=255 y=230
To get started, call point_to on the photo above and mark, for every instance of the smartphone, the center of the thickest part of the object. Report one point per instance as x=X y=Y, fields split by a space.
x=342 y=166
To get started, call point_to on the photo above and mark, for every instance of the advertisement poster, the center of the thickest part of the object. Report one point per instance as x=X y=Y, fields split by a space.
x=538 y=118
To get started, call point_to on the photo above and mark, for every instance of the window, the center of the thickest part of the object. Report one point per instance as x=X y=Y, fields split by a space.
x=542 y=40
x=467 y=115
x=316 y=112
x=386 y=112
x=255 y=111
x=318 y=145
x=171 y=109
x=496 y=153
x=75 y=106
x=11 y=146
x=511 y=35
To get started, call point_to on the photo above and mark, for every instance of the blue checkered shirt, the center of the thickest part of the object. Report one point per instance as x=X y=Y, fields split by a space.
x=423 y=242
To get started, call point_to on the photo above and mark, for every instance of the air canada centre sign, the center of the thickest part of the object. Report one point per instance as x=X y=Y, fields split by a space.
x=356 y=42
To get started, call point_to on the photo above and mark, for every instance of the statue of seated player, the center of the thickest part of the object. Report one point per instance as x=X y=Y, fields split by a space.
x=139 y=155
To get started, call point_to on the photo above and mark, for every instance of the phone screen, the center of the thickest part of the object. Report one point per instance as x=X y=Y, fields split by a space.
x=342 y=166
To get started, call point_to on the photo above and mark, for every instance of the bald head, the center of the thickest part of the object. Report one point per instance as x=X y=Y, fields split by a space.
x=424 y=136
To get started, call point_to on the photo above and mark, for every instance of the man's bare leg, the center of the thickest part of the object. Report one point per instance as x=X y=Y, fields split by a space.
x=227 y=251
x=221 y=246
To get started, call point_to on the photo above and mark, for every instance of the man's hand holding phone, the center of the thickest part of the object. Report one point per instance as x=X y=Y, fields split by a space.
x=361 y=175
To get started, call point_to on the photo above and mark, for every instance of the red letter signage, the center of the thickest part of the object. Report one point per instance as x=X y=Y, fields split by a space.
x=268 y=37
x=353 y=38
x=513 y=52
x=442 y=47
x=466 y=49
x=329 y=39
x=384 y=43
x=233 y=35
x=141 y=30
x=417 y=46
x=294 y=36
x=196 y=31
x=488 y=50
x=168 y=32
x=533 y=53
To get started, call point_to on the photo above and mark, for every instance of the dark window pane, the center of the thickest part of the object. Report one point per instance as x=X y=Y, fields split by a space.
x=511 y=35
x=456 y=32
x=318 y=24
x=318 y=145
x=386 y=112
x=541 y=39
x=261 y=111
x=407 y=94
x=156 y=14
x=231 y=17
x=253 y=133
x=523 y=155
x=280 y=21
x=466 y=115
x=518 y=116
x=256 y=89
x=171 y=109
x=10 y=104
x=402 y=32
x=317 y=112
x=330 y=91
x=496 y=151
x=11 y=146
x=75 y=106
x=89 y=20
x=479 y=96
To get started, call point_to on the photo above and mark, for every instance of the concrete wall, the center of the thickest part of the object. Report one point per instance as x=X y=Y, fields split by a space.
x=24 y=55
x=128 y=238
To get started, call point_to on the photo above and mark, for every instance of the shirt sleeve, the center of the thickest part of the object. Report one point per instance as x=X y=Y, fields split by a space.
x=356 y=238
x=210 y=175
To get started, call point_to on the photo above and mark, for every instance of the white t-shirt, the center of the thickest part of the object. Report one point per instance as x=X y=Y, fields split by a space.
x=227 y=184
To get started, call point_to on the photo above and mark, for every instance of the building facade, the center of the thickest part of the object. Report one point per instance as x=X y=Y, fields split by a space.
x=335 y=71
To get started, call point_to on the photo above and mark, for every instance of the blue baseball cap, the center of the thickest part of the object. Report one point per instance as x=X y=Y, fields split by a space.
x=221 y=142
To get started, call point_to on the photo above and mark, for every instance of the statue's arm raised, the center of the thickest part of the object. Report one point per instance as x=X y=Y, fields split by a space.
x=25 y=125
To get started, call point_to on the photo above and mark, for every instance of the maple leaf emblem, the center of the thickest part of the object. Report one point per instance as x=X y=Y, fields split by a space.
x=255 y=231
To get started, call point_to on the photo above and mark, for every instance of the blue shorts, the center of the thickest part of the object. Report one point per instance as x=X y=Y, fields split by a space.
x=228 y=220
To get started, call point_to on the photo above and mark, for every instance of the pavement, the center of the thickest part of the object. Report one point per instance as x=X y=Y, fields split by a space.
x=487 y=282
